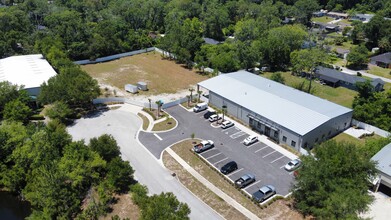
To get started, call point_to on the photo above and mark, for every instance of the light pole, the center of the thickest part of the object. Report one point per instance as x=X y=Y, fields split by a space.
x=224 y=108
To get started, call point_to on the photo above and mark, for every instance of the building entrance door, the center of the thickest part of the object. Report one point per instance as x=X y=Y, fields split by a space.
x=267 y=131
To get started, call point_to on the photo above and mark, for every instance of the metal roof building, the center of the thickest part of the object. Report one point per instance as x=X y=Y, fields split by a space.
x=384 y=164
x=275 y=109
x=28 y=70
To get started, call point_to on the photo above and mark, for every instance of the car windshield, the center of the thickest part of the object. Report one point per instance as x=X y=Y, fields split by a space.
x=264 y=190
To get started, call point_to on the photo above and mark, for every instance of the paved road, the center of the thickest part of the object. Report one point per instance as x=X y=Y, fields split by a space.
x=123 y=125
x=354 y=72
x=259 y=159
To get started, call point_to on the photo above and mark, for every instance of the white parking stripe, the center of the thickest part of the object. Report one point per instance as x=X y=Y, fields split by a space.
x=213 y=156
x=237 y=134
x=227 y=129
x=282 y=166
x=157 y=136
x=268 y=154
x=235 y=171
x=261 y=149
x=252 y=184
x=253 y=144
x=220 y=161
x=277 y=159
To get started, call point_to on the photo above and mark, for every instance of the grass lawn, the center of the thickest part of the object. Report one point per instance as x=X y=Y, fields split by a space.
x=202 y=192
x=339 y=95
x=145 y=121
x=323 y=19
x=347 y=138
x=164 y=125
x=345 y=21
x=278 y=210
x=378 y=71
x=162 y=76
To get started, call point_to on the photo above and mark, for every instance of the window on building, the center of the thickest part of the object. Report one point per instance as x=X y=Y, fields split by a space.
x=293 y=143
x=284 y=138
x=323 y=136
x=329 y=133
x=275 y=134
x=316 y=140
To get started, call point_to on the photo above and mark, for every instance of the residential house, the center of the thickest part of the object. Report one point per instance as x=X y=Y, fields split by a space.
x=338 y=15
x=365 y=18
x=325 y=26
x=337 y=78
x=384 y=165
x=382 y=60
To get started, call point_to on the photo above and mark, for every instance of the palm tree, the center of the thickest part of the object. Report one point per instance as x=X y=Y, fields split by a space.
x=199 y=95
x=150 y=104
x=188 y=100
x=224 y=110
x=191 y=93
x=159 y=105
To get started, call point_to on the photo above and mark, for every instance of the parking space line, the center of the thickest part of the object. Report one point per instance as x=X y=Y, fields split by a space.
x=282 y=166
x=253 y=144
x=220 y=161
x=213 y=156
x=252 y=184
x=269 y=154
x=157 y=136
x=227 y=129
x=260 y=149
x=237 y=134
x=235 y=171
x=277 y=159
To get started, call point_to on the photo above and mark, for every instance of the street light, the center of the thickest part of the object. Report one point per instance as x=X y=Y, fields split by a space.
x=224 y=107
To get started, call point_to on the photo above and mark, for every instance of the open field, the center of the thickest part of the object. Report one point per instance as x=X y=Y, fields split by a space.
x=323 y=19
x=378 y=71
x=124 y=208
x=280 y=209
x=162 y=76
x=339 y=95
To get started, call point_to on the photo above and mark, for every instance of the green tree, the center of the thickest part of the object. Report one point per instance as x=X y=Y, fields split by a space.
x=358 y=56
x=59 y=110
x=73 y=86
x=10 y=92
x=119 y=174
x=106 y=146
x=17 y=111
x=277 y=76
x=305 y=9
x=165 y=206
x=332 y=185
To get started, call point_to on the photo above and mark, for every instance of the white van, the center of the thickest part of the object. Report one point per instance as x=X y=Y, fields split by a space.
x=200 y=107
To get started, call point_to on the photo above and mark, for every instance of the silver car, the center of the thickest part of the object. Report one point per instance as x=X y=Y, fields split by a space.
x=293 y=165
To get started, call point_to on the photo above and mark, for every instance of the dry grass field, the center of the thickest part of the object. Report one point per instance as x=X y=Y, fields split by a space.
x=162 y=76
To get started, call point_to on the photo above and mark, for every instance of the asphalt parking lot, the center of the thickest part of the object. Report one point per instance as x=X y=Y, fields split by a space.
x=259 y=159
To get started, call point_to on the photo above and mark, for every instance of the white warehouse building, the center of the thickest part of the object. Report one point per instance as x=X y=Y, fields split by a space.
x=284 y=114
x=28 y=70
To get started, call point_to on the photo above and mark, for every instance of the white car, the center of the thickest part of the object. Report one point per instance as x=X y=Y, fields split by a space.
x=215 y=117
x=250 y=140
x=293 y=164
x=227 y=124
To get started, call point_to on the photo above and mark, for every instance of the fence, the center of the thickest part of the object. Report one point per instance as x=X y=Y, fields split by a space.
x=370 y=128
x=114 y=57
x=140 y=104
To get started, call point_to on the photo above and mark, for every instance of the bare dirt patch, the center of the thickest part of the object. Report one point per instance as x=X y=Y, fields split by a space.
x=124 y=208
x=162 y=76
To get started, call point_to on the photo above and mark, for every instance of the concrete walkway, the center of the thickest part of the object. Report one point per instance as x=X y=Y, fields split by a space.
x=354 y=72
x=212 y=187
x=150 y=119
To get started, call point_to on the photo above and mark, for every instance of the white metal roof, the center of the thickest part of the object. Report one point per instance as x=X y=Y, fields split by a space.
x=295 y=110
x=29 y=70
x=383 y=159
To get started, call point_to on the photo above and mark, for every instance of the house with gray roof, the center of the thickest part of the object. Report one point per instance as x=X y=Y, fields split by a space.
x=337 y=78
x=365 y=18
x=284 y=114
x=382 y=60
x=384 y=165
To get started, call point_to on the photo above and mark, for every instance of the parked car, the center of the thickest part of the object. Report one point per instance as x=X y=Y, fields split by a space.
x=227 y=124
x=209 y=113
x=250 y=140
x=200 y=107
x=293 y=165
x=203 y=146
x=215 y=117
x=229 y=167
x=264 y=193
x=245 y=180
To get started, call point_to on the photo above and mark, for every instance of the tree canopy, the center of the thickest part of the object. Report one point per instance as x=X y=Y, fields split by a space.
x=332 y=185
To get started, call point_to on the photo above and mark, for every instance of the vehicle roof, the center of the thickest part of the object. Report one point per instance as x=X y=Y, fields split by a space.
x=248 y=176
x=251 y=136
x=266 y=188
x=229 y=163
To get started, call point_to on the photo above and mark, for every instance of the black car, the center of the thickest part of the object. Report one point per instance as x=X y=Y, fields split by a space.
x=209 y=113
x=229 y=167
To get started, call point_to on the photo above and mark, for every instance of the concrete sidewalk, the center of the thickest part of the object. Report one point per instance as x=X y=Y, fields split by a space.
x=150 y=119
x=212 y=187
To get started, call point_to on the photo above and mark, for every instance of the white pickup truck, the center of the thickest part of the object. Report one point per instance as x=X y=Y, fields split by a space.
x=203 y=146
